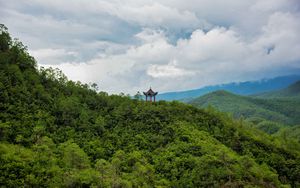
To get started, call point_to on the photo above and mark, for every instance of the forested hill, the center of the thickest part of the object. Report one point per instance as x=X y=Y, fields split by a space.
x=59 y=133
x=282 y=110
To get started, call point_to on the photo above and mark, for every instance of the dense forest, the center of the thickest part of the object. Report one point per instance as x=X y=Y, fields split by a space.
x=59 y=133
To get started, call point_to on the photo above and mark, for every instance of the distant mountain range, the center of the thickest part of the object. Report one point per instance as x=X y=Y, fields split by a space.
x=242 y=88
x=291 y=91
x=270 y=109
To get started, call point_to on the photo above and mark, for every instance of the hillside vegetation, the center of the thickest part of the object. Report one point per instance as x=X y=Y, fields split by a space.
x=274 y=112
x=59 y=133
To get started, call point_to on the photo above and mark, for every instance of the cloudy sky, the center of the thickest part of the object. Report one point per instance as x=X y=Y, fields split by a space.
x=127 y=46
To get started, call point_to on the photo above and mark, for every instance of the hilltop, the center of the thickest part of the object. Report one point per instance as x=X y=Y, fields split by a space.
x=59 y=133
x=272 y=112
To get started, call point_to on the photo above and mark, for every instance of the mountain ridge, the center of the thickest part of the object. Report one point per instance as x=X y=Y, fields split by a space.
x=269 y=112
x=292 y=90
x=242 y=88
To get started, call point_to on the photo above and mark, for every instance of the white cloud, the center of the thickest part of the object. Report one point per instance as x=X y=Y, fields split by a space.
x=219 y=44
x=168 y=71
x=156 y=14
x=52 y=56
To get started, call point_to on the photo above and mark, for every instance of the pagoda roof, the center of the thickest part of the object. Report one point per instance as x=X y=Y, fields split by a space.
x=150 y=92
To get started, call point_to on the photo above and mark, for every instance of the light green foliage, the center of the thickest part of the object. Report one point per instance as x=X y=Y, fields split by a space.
x=73 y=157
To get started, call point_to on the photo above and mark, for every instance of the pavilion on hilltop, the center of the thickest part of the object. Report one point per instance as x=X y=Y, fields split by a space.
x=150 y=94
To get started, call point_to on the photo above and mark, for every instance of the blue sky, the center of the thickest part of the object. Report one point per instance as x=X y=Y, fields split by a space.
x=127 y=46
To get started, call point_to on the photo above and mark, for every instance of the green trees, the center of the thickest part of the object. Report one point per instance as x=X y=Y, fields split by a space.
x=5 y=39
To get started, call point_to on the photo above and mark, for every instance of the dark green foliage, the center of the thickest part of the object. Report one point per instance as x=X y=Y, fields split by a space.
x=5 y=40
x=59 y=133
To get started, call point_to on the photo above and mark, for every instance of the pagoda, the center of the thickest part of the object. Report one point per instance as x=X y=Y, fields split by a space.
x=150 y=94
